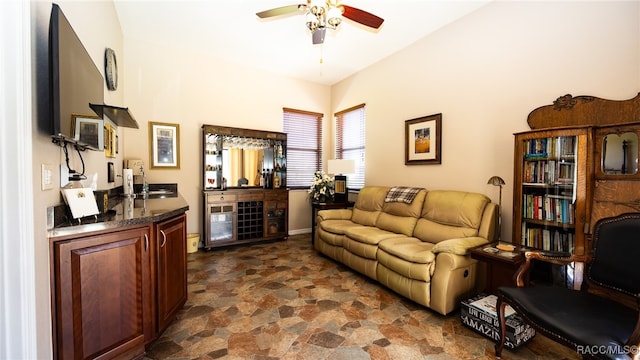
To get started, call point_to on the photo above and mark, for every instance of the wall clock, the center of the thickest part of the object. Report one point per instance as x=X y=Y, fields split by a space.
x=110 y=69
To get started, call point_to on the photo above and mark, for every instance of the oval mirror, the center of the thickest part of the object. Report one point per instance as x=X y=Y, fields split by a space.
x=620 y=154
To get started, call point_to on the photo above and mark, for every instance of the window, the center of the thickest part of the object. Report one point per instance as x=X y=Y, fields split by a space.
x=304 y=146
x=350 y=141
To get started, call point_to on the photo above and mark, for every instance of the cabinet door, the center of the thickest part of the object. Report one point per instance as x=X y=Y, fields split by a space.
x=98 y=285
x=551 y=196
x=171 y=242
x=276 y=215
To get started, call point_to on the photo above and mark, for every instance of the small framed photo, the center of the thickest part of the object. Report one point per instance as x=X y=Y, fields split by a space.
x=423 y=140
x=164 y=140
x=87 y=130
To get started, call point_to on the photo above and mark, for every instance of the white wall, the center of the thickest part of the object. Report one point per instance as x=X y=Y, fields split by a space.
x=485 y=73
x=190 y=89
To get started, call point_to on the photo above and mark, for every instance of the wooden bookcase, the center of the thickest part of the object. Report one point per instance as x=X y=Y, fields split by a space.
x=551 y=182
x=579 y=176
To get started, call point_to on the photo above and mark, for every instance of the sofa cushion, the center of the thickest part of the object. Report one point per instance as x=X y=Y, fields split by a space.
x=409 y=249
x=369 y=205
x=337 y=226
x=369 y=234
x=408 y=257
x=450 y=214
x=400 y=217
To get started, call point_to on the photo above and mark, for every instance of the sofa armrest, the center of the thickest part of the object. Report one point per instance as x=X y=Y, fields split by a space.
x=334 y=214
x=458 y=246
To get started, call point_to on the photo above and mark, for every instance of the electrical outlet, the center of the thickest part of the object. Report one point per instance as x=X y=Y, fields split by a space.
x=47 y=177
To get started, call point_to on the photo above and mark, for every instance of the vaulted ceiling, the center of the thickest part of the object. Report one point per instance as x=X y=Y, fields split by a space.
x=231 y=31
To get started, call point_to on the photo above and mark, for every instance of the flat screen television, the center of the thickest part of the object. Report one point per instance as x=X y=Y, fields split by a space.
x=75 y=79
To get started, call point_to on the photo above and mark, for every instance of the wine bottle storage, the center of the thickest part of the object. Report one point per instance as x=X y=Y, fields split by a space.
x=250 y=220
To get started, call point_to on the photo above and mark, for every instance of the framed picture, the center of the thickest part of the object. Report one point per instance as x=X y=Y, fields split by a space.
x=110 y=141
x=87 y=130
x=423 y=140
x=164 y=140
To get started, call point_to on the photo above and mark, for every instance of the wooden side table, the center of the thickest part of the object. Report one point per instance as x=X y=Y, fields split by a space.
x=316 y=206
x=501 y=265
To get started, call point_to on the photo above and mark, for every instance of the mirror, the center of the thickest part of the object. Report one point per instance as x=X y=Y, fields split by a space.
x=240 y=156
x=620 y=154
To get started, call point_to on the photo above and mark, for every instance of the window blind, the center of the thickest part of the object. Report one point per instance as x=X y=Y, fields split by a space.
x=304 y=146
x=350 y=142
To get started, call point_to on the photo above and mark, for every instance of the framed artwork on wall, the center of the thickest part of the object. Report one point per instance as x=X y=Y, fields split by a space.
x=423 y=140
x=87 y=130
x=164 y=142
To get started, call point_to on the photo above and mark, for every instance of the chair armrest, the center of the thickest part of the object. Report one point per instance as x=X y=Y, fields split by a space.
x=335 y=214
x=554 y=257
x=458 y=246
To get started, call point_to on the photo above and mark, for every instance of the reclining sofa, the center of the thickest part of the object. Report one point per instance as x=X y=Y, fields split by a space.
x=412 y=240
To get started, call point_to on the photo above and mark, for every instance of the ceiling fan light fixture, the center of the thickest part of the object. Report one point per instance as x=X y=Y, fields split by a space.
x=312 y=22
x=334 y=17
x=317 y=7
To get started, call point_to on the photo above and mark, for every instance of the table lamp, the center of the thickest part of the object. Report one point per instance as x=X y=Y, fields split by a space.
x=340 y=167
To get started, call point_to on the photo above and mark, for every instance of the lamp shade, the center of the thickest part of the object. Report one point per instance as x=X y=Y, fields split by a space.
x=341 y=166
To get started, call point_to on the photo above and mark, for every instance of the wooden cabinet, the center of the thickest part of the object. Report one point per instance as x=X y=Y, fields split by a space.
x=116 y=291
x=605 y=180
x=171 y=280
x=237 y=216
x=551 y=180
x=99 y=282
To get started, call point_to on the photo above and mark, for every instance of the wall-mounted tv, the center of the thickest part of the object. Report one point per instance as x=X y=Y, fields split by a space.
x=75 y=79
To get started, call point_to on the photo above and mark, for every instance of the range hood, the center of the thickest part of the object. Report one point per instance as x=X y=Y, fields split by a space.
x=119 y=115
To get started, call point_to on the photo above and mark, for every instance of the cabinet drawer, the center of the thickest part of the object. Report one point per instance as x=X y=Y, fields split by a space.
x=251 y=196
x=275 y=195
x=221 y=197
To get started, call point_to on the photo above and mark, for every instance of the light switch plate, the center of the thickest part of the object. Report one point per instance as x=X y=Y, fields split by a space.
x=47 y=176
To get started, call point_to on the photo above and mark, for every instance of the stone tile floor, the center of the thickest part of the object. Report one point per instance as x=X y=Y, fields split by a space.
x=283 y=300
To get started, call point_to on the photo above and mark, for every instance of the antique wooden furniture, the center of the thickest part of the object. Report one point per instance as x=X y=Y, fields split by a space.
x=601 y=320
x=578 y=164
x=501 y=265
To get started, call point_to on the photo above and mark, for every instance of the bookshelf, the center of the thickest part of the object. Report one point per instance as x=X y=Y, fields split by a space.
x=550 y=188
x=551 y=178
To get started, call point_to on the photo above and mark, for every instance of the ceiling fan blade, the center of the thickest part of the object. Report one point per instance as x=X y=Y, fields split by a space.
x=318 y=36
x=283 y=10
x=362 y=17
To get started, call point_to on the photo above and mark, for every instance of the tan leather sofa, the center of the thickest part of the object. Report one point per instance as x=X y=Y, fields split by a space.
x=418 y=250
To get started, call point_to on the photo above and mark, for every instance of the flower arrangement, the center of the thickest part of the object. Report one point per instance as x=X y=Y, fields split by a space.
x=322 y=189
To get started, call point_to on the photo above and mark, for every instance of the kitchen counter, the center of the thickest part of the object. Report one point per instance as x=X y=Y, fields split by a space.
x=125 y=212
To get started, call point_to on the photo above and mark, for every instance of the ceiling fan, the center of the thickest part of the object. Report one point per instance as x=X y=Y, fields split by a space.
x=325 y=14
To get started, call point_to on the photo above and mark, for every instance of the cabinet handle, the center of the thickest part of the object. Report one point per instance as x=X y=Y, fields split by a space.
x=146 y=242
x=164 y=238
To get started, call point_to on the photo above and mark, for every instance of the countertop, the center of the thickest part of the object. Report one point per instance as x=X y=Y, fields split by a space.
x=125 y=212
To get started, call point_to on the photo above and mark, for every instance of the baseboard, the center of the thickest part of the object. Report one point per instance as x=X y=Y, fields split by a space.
x=300 y=231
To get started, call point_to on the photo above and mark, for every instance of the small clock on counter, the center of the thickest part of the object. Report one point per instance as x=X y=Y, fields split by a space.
x=110 y=69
